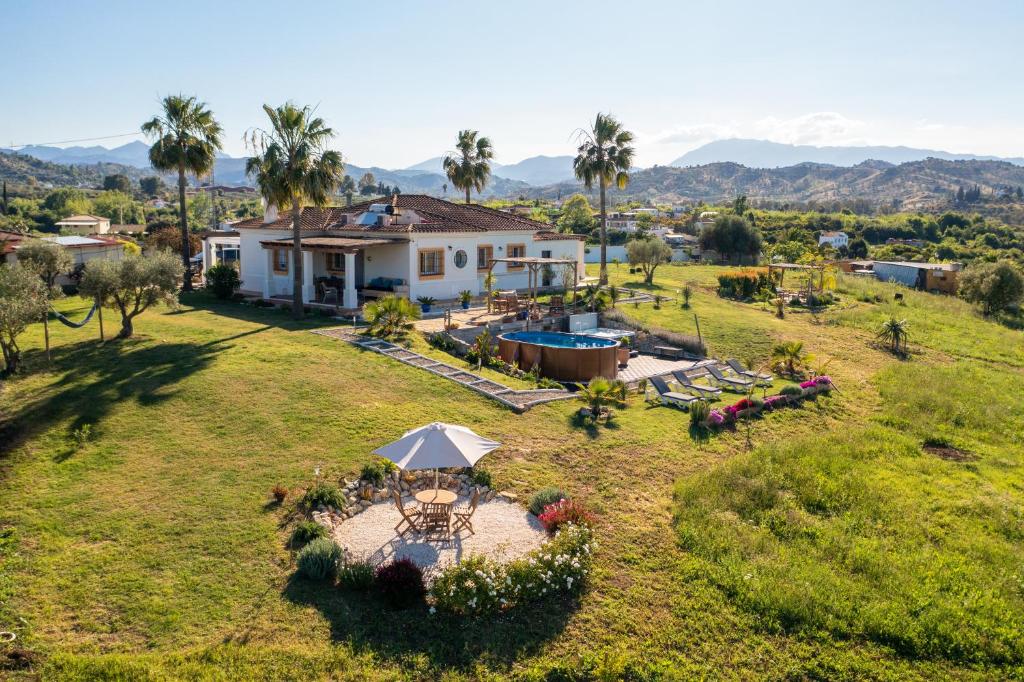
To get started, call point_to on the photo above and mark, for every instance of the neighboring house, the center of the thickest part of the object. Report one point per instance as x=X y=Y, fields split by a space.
x=9 y=243
x=85 y=224
x=916 y=243
x=85 y=249
x=413 y=245
x=943 y=277
x=833 y=239
x=221 y=246
x=119 y=228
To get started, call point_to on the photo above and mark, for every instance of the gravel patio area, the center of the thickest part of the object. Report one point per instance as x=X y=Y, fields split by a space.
x=504 y=531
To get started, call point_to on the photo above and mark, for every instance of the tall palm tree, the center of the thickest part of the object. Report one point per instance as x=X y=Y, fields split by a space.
x=604 y=155
x=186 y=138
x=469 y=166
x=292 y=165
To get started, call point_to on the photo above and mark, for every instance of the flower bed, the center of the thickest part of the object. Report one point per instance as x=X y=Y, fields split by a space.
x=479 y=586
x=749 y=407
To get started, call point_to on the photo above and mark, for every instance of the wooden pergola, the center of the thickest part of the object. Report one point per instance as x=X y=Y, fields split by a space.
x=534 y=266
x=783 y=267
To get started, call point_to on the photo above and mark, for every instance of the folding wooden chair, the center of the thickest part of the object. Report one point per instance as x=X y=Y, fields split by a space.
x=409 y=516
x=462 y=518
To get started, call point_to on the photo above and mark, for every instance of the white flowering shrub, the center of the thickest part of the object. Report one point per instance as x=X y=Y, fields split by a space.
x=479 y=585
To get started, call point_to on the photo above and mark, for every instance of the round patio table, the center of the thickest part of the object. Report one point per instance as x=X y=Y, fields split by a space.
x=435 y=496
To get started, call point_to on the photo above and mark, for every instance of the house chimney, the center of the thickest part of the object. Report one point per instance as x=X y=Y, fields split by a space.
x=269 y=212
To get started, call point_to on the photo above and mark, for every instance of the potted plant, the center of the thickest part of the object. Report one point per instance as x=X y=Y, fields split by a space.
x=465 y=296
x=623 y=351
x=425 y=302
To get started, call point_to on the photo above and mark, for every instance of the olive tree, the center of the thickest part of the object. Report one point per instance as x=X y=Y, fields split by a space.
x=994 y=286
x=23 y=300
x=132 y=285
x=49 y=261
x=648 y=254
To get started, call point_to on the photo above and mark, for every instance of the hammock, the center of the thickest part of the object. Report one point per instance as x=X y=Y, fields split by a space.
x=75 y=325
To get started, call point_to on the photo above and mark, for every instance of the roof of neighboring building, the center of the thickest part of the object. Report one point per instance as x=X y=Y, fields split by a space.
x=87 y=219
x=922 y=266
x=833 y=234
x=549 y=236
x=436 y=215
x=9 y=241
x=120 y=227
x=75 y=241
x=331 y=242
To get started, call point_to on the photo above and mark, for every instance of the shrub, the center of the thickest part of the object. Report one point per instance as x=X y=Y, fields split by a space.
x=774 y=401
x=441 y=341
x=479 y=586
x=479 y=476
x=355 y=575
x=374 y=472
x=700 y=410
x=307 y=531
x=743 y=283
x=223 y=280
x=400 y=582
x=390 y=317
x=716 y=418
x=545 y=497
x=319 y=559
x=279 y=492
x=791 y=390
x=323 y=494
x=564 y=512
x=82 y=435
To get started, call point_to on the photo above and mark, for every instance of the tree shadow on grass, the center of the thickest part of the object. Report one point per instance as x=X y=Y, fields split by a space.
x=97 y=377
x=363 y=621
x=272 y=316
x=591 y=428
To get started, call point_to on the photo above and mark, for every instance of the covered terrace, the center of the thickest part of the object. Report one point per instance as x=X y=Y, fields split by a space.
x=328 y=263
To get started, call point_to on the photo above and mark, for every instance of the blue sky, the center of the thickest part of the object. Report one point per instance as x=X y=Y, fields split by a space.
x=397 y=79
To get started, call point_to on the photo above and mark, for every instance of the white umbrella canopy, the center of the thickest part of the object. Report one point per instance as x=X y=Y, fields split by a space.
x=437 y=446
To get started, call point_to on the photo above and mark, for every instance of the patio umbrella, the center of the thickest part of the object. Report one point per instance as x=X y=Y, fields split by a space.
x=437 y=446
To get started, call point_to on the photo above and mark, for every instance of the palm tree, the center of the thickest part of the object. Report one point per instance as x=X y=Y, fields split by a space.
x=604 y=155
x=600 y=392
x=468 y=167
x=291 y=165
x=391 y=317
x=790 y=356
x=186 y=139
x=895 y=332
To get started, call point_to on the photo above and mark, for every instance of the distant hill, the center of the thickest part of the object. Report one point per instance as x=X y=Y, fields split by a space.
x=536 y=170
x=765 y=154
x=131 y=154
x=917 y=184
x=19 y=168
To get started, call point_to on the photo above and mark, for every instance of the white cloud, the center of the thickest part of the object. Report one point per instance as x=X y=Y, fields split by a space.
x=819 y=128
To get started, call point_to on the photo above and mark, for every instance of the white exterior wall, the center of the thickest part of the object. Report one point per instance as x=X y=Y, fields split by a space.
x=254 y=261
x=402 y=261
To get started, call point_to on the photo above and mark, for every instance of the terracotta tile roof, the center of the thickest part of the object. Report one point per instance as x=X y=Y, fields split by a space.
x=437 y=215
x=548 y=236
x=9 y=241
x=85 y=218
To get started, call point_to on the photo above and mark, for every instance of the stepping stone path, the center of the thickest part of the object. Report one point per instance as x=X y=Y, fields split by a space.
x=519 y=401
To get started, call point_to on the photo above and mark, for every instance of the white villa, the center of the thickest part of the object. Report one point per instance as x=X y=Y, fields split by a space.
x=412 y=246
x=84 y=225
x=833 y=239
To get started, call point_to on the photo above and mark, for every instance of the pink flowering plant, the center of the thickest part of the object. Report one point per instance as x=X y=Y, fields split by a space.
x=716 y=418
x=562 y=512
x=479 y=585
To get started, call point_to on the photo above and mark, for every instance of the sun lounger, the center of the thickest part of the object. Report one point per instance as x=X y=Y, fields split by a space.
x=670 y=397
x=740 y=384
x=687 y=383
x=761 y=379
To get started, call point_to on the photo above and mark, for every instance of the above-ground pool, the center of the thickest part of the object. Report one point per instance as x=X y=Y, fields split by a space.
x=559 y=356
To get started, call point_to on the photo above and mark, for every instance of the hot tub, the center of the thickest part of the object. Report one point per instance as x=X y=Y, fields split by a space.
x=563 y=357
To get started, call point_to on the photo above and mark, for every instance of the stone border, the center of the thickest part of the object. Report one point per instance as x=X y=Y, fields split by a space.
x=518 y=401
x=361 y=494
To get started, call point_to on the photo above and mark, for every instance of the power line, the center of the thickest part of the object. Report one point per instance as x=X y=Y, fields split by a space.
x=84 y=139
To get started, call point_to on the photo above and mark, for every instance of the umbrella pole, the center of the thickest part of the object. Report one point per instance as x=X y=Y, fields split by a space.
x=436 y=479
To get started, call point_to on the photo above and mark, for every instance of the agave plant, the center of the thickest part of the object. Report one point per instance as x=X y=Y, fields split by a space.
x=894 y=333
x=390 y=317
x=790 y=357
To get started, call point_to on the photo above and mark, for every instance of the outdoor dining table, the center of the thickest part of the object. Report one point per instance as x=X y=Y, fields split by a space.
x=435 y=496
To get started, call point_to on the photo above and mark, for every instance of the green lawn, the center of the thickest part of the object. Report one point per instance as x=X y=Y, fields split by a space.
x=151 y=552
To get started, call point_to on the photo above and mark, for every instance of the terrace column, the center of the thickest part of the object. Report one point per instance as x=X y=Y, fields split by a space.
x=268 y=273
x=308 y=290
x=350 y=299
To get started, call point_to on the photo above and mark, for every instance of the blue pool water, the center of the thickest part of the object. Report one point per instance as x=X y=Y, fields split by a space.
x=560 y=340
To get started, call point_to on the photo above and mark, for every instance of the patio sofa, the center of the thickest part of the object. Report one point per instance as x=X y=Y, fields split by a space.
x=383 y=286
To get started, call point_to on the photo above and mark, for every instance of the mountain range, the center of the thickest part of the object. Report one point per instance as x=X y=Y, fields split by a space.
x=536 y=170
x=912 y=185
x=766 y=154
